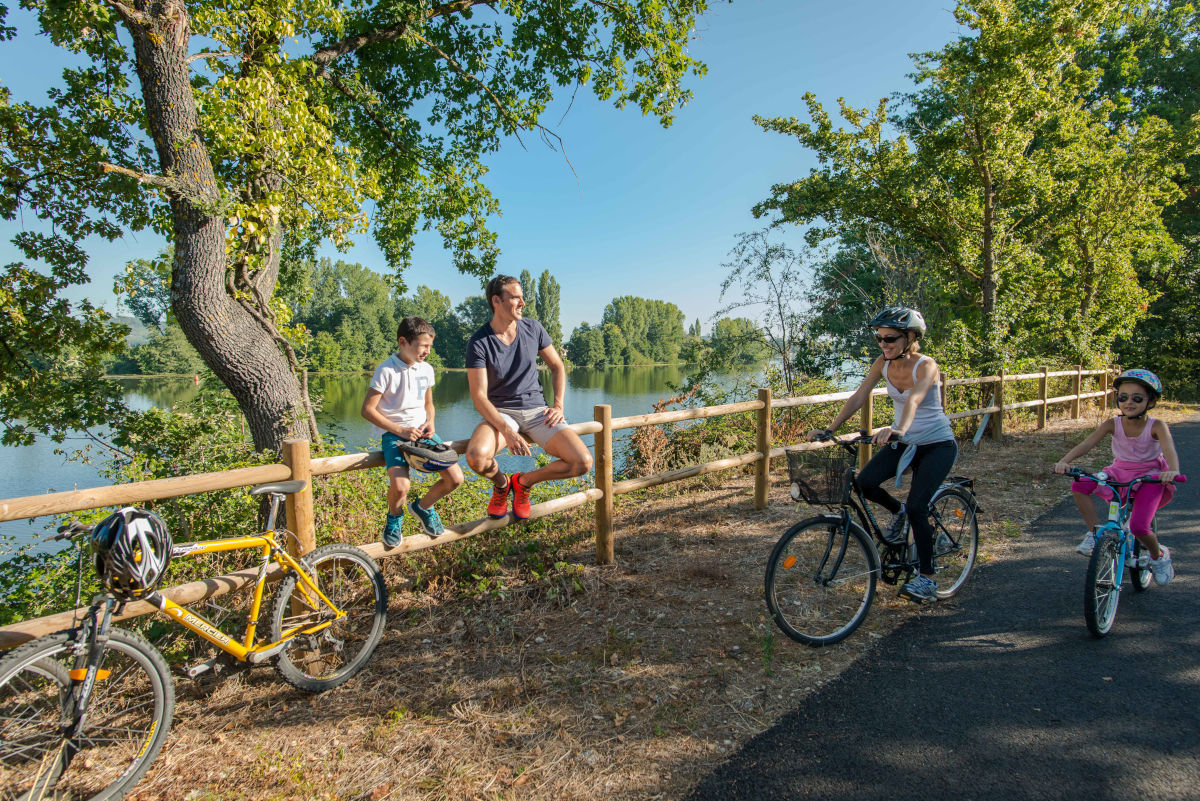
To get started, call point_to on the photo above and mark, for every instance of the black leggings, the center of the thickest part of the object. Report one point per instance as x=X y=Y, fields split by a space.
x=930 y=466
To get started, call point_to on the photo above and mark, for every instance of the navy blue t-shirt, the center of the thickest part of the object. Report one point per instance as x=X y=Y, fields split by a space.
x=511 y=369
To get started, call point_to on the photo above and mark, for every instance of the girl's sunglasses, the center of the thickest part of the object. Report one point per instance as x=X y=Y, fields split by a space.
x=888 y=339
x=1122 y=398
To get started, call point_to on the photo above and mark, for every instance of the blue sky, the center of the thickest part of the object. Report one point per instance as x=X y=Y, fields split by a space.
x=653 y=211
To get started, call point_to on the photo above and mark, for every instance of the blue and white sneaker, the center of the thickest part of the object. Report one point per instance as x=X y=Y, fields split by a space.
x=920 y=589
x=897 y=530
x=431 y=523
x=392 y=535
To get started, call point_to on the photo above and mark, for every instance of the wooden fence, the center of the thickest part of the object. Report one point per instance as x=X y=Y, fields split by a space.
x=297 y=464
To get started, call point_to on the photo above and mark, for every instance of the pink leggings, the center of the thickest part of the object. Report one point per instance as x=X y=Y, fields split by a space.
x=1148 y=499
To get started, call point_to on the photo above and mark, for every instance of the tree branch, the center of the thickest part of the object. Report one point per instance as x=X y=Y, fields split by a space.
x=130 y=15
x=220 y=54
x=169 y=184
x=323 y=57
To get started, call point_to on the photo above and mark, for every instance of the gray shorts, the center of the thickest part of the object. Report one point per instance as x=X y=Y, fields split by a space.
x=532 y=423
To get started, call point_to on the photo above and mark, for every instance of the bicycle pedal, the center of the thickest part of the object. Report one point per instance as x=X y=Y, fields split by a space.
x=200 y=669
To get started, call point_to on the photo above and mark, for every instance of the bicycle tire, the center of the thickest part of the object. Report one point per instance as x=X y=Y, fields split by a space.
x=807 y=603
x=330 y=657
x=1139 y=577
x=952 y=514
x=128 y=719
x=1102 y=588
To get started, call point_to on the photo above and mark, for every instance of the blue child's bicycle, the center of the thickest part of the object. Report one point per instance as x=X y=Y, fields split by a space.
x=1116 y=549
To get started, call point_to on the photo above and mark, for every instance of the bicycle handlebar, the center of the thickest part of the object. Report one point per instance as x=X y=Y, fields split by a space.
x=1076 y=472
x=862 y=436
x=69 y=531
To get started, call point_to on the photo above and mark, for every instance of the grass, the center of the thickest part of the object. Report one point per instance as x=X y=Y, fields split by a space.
x=577 y=681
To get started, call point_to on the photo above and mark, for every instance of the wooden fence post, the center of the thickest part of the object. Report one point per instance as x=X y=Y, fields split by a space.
x=1042 y=397
x=299 y=505
x=1076 y=388
x=866 y=421
x=604 y=483
x=998 y=416
x=762 y=469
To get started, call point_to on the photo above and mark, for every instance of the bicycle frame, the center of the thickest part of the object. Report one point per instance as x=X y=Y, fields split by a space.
x=1119 y=512
x=247 y=650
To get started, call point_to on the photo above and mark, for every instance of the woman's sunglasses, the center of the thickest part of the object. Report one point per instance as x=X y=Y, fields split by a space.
x=888 y=339
x=1122 y=398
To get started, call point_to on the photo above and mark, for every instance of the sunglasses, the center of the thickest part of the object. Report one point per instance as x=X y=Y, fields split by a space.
x=888 y=339
x=1135 y=398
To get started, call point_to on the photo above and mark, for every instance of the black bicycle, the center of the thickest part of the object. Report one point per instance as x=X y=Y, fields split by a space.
x=822 y=574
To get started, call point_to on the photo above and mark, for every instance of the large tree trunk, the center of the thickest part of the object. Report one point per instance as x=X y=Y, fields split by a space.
x=236 y=346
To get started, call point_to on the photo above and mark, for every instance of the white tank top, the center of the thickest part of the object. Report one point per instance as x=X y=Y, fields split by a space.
x=930 y=424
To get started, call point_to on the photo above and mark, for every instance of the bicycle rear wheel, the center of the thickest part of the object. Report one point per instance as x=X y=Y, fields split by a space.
x=955 y=538
x=330 y=657
x=1141 y=577
x=128 y=719
x=820 y=580
x=1102 y=589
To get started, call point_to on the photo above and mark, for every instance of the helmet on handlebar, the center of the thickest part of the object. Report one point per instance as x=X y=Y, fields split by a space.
x=902 y=318
x=133 y=550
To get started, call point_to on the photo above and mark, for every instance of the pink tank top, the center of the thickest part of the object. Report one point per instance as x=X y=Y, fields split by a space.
x=1142 y=448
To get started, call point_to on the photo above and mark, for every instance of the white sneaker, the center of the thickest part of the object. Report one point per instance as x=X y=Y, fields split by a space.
x=1085 y=546
x=1162 y=568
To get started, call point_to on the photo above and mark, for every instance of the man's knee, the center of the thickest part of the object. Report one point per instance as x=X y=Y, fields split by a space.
x=578 y=464
x=480 y=459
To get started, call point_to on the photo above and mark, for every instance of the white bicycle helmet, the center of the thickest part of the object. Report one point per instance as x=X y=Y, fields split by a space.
x=133 y=550
x=427 y=455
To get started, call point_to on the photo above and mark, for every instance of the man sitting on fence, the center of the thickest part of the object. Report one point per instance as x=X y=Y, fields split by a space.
x=502 y=374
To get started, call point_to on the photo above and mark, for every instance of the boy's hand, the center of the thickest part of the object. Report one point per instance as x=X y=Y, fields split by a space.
x=425 y=431
x=409 y=433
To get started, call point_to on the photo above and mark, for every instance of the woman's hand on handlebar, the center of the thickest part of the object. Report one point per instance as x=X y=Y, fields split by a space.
x=885 y=435
x=821 y=435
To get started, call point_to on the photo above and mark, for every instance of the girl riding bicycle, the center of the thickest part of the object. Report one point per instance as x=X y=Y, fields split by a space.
x=928 y=445
x=1141 y=446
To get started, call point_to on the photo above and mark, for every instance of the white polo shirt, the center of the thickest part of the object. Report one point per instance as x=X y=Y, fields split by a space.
x=403 y=388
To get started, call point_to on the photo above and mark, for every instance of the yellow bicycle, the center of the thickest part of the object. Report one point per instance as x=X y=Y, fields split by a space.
x=84 y=712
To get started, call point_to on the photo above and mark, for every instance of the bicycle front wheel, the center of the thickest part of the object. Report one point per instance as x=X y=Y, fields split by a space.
x=1102 y=590
x=329 y=657
x=820 y=580
x=955 y=538
x=127 y=719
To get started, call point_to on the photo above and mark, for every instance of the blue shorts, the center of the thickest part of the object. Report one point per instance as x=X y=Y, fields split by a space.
x=392 y=455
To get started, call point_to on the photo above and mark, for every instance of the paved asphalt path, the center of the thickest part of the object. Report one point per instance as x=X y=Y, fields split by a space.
x=1003 y=694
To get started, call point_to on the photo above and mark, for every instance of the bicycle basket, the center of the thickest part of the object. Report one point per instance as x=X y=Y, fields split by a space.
x=822 y=475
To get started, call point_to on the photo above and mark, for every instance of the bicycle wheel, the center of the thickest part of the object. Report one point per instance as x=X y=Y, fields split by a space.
x=128 y=718
x=820 y=580
x=1102 y=589
x=329 y=657
x=955 y=538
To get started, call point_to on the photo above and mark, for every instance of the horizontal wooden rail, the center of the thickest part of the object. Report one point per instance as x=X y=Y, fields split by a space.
x=657 y=418
x=644 y=482
x=811 y=400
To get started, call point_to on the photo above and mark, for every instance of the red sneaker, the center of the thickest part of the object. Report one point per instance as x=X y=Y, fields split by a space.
x=520 y=497
x=498 y=506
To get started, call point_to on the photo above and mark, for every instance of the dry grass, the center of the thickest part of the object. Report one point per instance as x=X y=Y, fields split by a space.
x=623 y=682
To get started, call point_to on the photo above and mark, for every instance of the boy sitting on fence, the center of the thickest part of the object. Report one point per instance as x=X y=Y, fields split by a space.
x=399 y=405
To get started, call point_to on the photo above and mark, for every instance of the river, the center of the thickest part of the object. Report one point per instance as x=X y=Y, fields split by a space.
x=37 y=469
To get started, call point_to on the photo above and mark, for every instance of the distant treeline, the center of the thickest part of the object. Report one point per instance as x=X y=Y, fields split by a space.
x=342 y=317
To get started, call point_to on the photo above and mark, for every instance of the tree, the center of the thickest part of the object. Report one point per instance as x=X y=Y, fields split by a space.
x=529 y=287
x=652 y=330
x=586 y=346
x=769 y=276
x=352 y=303
x=282 y=119
x=999 y=155
x=167 y=352
x=549 y=294
x=737 y=341
x=146 y=287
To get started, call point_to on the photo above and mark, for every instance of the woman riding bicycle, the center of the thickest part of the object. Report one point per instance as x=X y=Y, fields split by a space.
x=927 y=445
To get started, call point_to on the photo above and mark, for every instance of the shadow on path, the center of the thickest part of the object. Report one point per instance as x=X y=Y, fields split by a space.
x=1004 y=694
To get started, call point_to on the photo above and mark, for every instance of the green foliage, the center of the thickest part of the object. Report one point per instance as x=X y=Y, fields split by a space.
x=586 y=346
x=736 y=341
x=651 y=330
x=1025 y=201
x=167 y=352
x=549 y=302
x=352 y=306
x=145 y=289
x=530 y=288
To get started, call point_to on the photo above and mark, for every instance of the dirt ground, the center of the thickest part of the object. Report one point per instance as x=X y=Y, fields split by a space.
x=621 y=682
